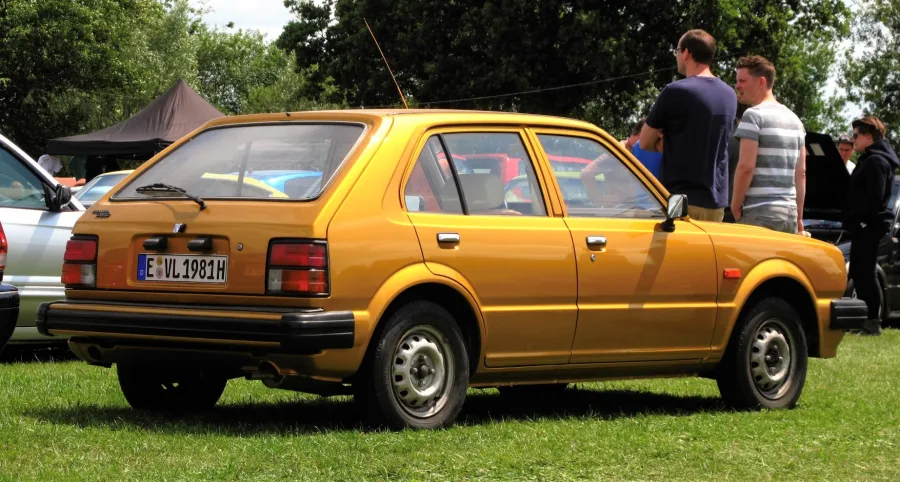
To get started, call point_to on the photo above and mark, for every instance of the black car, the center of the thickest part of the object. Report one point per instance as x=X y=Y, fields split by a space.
x=827 y=183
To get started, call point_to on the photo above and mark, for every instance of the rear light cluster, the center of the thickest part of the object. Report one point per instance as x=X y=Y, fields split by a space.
x=298 y=268
x=80 y=263
x=4 y=249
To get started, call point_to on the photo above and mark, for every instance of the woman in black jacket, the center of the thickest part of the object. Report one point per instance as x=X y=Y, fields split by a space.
x=866 y=213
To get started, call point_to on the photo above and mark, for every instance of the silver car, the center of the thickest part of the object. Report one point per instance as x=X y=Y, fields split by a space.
x=38 y=214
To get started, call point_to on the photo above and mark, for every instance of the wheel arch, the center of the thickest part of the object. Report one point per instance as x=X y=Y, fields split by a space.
x=786 y=281
x=420 y=284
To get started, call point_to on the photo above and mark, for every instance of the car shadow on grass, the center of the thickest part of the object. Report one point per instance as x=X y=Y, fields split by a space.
x=308 y=416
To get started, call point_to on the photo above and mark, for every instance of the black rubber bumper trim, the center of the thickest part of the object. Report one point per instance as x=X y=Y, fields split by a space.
x=9 y=312
x=304 y=330
x=848 y=314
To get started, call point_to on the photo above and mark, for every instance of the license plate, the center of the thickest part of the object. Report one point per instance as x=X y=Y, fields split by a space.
x=184 y=268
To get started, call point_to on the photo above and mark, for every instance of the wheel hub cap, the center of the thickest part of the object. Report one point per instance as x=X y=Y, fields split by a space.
x=420 y=371
x=770 y=360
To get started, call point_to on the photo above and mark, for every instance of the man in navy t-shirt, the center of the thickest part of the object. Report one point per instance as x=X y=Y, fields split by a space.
x=695 y=118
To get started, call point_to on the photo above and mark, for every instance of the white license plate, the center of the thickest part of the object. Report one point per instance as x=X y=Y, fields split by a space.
x=184 y=268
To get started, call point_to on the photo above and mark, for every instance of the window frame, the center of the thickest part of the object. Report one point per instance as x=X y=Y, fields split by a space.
x=527 y=144
x=612 y=146
x=43 y=184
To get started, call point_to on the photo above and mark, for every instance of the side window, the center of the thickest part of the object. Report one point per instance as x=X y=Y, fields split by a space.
x=493 y=176
x=431 y=188
x=602 y=186
x=19 y=187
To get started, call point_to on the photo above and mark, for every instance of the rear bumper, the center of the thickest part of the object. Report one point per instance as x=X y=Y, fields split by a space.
x=9 y=311
x=285 y=330
x=848 y=314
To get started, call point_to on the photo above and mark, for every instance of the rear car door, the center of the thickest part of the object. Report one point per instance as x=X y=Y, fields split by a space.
x=37 y=239
x=517 y=259
x=643 y=294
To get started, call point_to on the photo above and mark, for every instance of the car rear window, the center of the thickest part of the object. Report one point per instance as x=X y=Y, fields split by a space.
x=228 y=162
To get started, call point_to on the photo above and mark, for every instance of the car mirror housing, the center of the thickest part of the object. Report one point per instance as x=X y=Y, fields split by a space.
x=677 y=208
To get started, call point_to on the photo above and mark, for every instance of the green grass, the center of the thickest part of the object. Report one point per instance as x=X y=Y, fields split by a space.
x=67 y=420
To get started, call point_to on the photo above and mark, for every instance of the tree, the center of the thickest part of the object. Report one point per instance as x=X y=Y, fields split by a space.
x=614 y=56
x=873 y=76
x=54 y=52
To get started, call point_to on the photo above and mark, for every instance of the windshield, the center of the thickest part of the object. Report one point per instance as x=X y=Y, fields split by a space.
x=98 y=186
x=224 y=162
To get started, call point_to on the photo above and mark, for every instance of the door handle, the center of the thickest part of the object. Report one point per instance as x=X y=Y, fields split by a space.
x=448 y=237
x=596 y=241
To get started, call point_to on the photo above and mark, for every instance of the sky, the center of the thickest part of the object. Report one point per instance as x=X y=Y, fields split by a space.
x=267 y=16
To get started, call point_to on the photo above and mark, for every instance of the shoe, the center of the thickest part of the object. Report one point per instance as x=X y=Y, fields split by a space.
x=871 y=328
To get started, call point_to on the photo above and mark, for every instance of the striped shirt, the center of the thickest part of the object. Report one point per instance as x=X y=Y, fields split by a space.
x=781 y=137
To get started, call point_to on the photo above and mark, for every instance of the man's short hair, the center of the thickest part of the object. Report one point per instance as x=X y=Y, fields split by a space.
x=845 y=139
x=636 y=130
x=700 y=44
x=872 y=126
x=759 y=66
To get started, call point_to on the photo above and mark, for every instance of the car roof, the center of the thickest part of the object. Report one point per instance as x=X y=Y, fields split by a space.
x=426 y=116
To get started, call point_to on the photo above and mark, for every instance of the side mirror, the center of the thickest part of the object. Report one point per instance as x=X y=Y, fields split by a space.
x=677 y=208
x=58 y=197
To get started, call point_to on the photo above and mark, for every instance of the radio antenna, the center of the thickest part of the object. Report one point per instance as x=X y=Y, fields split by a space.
x=387 y=64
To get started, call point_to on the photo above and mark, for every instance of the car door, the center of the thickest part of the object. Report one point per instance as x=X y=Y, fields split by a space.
x=37 y=239
x=517 y=259
x=644 y=294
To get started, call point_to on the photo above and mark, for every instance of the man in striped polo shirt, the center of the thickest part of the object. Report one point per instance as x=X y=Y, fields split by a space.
x=770 y=178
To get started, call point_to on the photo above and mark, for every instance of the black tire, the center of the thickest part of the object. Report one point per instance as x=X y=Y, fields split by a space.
x=541 y=391
x=153 y=388
x=753 y=373
x=421 y=337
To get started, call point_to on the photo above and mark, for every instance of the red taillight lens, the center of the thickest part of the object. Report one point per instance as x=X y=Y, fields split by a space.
x=303 y=281
x=298 y=268
x=79 y=275
x=81 y=250
x=4 y=248
x=301 y=255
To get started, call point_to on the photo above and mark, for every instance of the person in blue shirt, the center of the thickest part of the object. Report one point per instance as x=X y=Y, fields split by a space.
x=650 y=159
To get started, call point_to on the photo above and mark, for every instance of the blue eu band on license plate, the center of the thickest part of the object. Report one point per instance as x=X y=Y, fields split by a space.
x=183 y=268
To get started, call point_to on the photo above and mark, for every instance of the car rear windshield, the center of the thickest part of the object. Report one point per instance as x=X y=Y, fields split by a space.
x=265 y=161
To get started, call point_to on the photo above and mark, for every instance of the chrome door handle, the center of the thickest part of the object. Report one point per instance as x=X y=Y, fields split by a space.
x=448 y=238
x=596 y=241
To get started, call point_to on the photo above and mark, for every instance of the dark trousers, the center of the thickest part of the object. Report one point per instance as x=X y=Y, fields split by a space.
x=863 y=256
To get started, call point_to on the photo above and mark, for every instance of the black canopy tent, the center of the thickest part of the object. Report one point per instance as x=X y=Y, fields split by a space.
x=165 y=120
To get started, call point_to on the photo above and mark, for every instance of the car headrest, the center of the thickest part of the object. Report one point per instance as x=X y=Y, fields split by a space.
x=483 y=191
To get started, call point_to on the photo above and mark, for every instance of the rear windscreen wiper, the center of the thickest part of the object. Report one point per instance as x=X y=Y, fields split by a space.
x=160 y=187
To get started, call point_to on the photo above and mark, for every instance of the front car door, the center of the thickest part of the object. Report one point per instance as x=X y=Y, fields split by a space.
x=643 y=294
x=37 y=239
x=518 y=260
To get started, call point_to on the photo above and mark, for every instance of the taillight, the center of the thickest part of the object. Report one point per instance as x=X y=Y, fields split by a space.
x=80 y=263
x=298 y=267
x=4 y=248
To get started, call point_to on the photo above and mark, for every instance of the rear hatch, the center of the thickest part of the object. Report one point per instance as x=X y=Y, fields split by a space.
x=827 y=181
x=216 y=236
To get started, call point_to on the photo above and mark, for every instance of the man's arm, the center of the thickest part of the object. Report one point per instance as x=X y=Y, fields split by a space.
x=800 y=184
x=743 y=175
x=589 y=179
x=650 y=138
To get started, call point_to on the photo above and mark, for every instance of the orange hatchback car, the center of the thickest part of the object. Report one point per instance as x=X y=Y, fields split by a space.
x=378 y=271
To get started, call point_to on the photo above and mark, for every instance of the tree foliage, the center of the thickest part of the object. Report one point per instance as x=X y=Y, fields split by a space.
x=873 y=76
x=615 y=54
x=70 y=67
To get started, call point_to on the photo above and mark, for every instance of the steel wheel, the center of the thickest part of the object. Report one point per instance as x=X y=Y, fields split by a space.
x=771 y=359
x=765 y=363
x=422 y=370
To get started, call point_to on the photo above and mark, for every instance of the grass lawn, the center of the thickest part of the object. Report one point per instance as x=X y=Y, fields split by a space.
x=66 y=420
